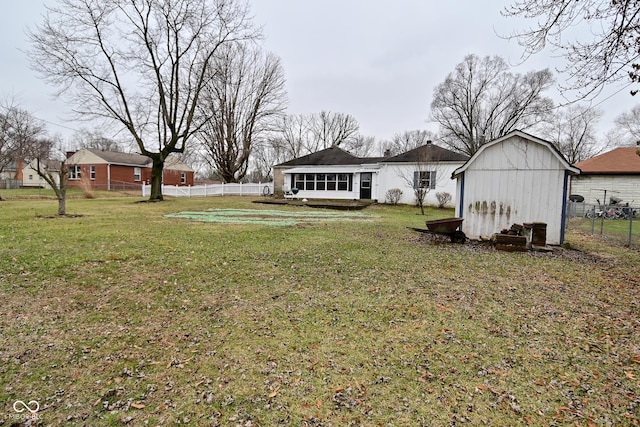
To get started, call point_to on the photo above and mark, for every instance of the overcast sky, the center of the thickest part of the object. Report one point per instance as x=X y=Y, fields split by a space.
x=378 y=61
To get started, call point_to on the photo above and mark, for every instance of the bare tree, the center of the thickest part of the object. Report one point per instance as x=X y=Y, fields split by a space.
x=297 y=135
x=139 y=63
x=482 y=101
x=56 y=175
x=423 y=176
x=360 y=145
x=20 y=133
x=241 y=99
x=95 y=139
x=607 y=51
x=290 y=139
x=408 y=140
x=572 y=130
x=331 y=129
x=629 y=127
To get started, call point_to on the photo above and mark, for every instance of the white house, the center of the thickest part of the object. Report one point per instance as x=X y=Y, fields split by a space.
x=30 y=177
x=515 y=179
x=334 y=173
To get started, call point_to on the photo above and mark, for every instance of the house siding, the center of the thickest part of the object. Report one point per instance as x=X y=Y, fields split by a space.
x=121 y=175
x=625 y=187
x=401 y=176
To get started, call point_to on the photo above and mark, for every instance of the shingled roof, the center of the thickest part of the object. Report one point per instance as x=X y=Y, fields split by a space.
x=619 y=161
x=329 y=156
x=333 y=156
x=118 y=158
x=428 y=153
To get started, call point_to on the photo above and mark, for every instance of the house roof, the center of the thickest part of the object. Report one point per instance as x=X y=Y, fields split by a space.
x=52 y=165
x=329 y=156
x=118 y=158
x=125 y=159
x=622 y=160
x=524 y=135
x=336 y=156
x=428 y=153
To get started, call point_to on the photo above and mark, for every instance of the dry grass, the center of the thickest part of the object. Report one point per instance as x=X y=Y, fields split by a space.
x=123 y=316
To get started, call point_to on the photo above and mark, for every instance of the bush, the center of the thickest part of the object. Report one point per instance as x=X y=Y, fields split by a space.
x=393 y=196
x=85 y=186
x=443 y=199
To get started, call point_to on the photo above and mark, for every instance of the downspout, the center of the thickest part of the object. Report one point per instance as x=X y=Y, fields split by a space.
x=108 y=176
x=565 y=190
x=461 y=201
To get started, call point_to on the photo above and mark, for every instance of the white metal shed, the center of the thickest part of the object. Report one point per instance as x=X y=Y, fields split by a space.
x=515 y=179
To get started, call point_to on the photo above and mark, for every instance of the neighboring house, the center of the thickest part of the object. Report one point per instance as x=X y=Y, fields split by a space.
x=616 y=171
x=30 y=177
x=11 y=175
x=515 y=179
x=336 y=174
x=110 y=170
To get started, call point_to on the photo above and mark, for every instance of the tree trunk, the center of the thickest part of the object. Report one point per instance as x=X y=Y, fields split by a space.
x=62 y=205
x=156 y=178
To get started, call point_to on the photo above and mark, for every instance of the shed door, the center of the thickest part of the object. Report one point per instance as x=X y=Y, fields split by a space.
x=365 y=185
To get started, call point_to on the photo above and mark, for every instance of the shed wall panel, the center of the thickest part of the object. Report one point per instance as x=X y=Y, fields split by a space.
x=494 y=201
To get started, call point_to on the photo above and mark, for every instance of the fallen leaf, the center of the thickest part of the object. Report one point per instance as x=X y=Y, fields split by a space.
x=137 y=405
x=274 y=393
x=630 y=375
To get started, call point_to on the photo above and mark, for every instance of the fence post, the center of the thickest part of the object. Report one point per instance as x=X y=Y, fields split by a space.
x=630 y=226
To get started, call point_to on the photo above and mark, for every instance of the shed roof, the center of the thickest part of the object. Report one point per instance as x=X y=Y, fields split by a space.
x=524 y=135
x=622 y=160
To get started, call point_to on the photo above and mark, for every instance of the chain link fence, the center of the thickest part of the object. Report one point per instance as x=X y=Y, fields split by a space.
x=619 y=223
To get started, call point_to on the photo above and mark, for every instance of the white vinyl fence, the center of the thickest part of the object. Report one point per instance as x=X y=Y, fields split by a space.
x=233 y=189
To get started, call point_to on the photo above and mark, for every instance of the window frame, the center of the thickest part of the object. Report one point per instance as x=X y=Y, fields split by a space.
x=74 y=172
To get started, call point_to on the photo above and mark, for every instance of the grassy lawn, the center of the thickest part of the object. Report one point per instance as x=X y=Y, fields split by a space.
x=614 y=229
x=123 y=316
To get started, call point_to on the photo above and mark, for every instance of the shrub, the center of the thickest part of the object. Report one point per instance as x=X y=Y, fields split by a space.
x=393 y=196
x=85 y=186
x=443 y=199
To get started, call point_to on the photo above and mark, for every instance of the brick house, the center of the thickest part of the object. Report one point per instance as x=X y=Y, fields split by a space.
x=110 y=170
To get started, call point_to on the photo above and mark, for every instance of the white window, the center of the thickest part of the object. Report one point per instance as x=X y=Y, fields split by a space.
x=183 y=178
x=92 y=172
x=424 y=179
x=74 y=172
x=323 y=181
x=137 y=174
